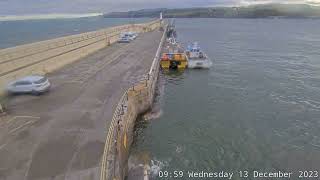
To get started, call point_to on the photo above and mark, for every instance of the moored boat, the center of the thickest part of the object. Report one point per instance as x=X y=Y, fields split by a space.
x=173 y=56
x=196 y=58
x=173 y=61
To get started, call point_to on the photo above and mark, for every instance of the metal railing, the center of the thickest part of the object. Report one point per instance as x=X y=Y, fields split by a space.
x=104 y=35
x=56 y=43
x=116 y=122
x=115 y=126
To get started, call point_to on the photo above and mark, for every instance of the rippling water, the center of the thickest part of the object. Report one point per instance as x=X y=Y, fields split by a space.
x=258 y=108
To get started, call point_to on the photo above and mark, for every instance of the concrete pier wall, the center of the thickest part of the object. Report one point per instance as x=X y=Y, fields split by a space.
x=47 y=56
x=136 y=100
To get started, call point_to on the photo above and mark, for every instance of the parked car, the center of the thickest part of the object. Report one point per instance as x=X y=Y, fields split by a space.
x=124 y=39
x=127 y=36
x=132 y=35
x=30 y=84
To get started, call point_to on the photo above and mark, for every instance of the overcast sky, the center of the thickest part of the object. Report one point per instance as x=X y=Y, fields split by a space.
x=14 y=7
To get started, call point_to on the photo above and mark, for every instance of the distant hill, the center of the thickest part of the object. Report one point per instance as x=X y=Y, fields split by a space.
x=254 y=11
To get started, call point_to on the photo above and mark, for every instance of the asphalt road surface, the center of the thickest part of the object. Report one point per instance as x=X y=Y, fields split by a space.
x=61 y=134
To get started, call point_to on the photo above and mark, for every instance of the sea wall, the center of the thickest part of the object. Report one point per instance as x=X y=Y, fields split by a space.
x=47 y=56
x=136 y=100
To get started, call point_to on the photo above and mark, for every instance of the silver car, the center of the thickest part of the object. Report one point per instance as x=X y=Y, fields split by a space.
x=30 y=84
x=132 y=35
x=124 y=39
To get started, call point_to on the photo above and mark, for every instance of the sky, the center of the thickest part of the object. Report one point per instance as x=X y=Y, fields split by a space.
x=24 y=7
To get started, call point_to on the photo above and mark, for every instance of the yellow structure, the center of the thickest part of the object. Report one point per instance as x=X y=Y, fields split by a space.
x=174 y=61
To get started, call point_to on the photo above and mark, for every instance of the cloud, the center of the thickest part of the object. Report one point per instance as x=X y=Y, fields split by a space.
x=14 y=7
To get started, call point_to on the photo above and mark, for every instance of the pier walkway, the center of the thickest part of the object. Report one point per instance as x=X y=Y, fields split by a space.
x=61 y=135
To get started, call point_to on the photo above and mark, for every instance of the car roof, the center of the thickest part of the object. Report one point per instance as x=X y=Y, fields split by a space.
x=32 y=78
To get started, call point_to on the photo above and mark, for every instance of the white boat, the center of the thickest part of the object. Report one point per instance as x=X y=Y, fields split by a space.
x=197 y=59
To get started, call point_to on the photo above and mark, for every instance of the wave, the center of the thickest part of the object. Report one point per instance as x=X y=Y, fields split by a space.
x=47 y=16
x=156 y=167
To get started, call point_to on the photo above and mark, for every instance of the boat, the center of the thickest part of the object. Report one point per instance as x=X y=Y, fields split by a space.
x=196 y=58
x=173 y=56
x=173 y=61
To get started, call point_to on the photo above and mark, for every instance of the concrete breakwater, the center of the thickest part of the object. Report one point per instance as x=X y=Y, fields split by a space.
x=136 y=100
x=47 y=56
x=67 y=126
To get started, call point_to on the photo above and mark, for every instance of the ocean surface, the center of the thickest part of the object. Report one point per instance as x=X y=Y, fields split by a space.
x=256 y=109
x=13 y=33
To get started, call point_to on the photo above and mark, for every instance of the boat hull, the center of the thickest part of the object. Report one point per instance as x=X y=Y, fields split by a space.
x=199 y=64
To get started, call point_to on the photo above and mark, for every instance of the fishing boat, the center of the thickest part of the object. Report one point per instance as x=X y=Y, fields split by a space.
x=173 y=61
x=196 y=58
x=173 y=56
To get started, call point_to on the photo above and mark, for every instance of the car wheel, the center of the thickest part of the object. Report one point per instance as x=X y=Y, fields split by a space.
x=10 y=93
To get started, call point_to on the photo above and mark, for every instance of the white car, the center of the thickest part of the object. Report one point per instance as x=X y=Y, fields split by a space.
x=129 y=35
x=124 y=39
x=132 y=35
x=30 y=84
